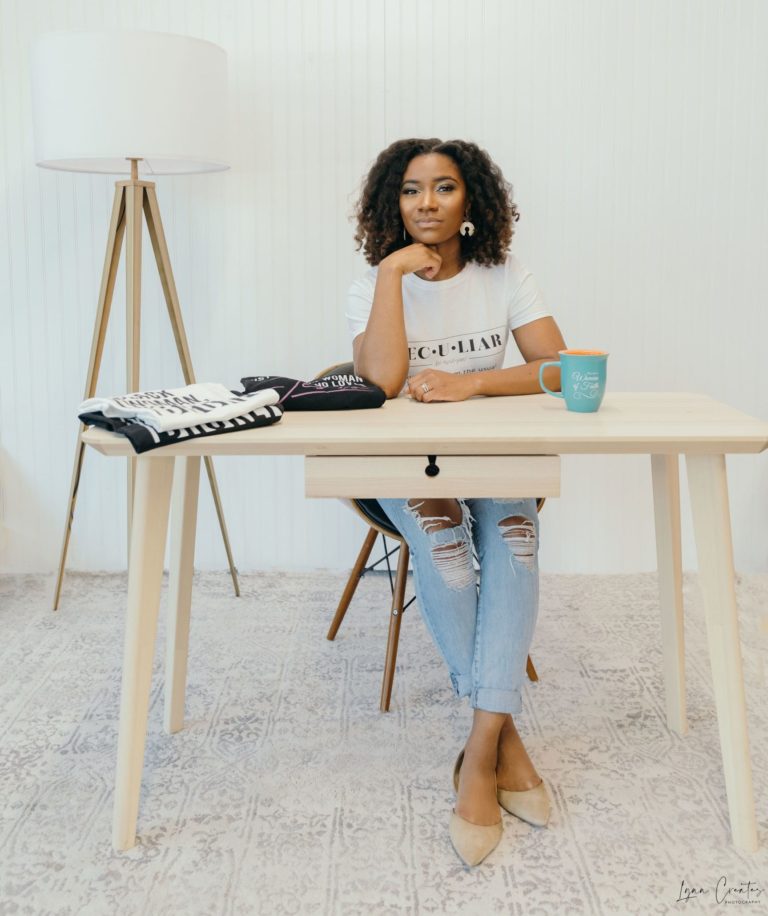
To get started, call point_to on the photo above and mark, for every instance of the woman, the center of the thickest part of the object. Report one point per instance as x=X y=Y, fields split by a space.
x=435 y=219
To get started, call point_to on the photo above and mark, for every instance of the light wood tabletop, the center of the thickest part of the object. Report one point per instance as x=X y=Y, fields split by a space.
x=482 y=447
x=627 y=422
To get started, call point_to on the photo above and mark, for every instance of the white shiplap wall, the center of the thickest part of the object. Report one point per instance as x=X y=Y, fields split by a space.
x=634 y=132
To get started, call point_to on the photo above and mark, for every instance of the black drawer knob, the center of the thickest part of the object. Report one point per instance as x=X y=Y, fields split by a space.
x=432 y=470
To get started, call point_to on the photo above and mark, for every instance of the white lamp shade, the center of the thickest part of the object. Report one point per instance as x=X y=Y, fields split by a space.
x=100 y=98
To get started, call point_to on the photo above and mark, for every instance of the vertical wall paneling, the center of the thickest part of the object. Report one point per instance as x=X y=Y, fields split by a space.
x=635 y=139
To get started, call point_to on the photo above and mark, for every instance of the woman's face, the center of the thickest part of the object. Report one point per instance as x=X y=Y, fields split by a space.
x=433 y=199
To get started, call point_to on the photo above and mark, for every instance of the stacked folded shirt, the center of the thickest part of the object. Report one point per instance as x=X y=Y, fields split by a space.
x=150 y=419
x=333 y=392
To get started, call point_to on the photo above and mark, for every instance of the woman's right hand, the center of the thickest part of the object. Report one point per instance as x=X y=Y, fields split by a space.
x=381 y=352
x=412 y=259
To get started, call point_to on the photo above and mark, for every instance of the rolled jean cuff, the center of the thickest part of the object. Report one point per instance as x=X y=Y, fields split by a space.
x=490 y=700
x=462 y=684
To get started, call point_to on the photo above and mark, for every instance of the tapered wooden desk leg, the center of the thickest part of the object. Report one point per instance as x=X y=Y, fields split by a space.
x=666 y=503
x=395 y=618
x=148 y=534
x=186 y=485
x=712 y=526
x=352 y=582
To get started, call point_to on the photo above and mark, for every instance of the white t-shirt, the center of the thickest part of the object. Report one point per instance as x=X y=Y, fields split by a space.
x=461 y=324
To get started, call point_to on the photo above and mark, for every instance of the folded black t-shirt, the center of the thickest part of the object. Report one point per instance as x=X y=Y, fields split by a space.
x=143 y=437
x=334 y=392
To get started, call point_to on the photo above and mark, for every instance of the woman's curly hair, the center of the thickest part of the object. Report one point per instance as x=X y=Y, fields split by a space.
x=380 y=226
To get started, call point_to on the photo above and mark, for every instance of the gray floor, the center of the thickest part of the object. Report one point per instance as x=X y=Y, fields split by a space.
x=288 y=792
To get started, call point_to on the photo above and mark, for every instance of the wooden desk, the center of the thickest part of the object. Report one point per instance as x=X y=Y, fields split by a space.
x=483 y=447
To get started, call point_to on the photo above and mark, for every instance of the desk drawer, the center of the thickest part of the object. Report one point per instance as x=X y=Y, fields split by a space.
x=466 y=476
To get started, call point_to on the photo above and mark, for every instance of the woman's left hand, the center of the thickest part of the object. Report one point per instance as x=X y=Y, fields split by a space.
x=434 y=385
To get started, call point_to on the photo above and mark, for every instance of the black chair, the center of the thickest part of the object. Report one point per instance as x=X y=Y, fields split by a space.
x=379 y=524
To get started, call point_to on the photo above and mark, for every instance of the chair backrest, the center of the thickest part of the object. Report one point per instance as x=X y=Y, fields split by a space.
x=371 y=512
x=337 y=369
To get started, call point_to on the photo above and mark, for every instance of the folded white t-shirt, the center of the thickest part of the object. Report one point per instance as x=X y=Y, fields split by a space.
x=180 y=408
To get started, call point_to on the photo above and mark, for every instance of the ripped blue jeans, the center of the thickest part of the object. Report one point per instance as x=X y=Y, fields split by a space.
x=483 y=634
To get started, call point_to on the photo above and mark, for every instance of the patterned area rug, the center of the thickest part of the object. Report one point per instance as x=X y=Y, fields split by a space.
x=289 y=793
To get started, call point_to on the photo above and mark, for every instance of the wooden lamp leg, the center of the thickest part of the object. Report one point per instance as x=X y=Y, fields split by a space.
x=131 y=199
x=109 y=274
x=134 y=196
x=157 y=236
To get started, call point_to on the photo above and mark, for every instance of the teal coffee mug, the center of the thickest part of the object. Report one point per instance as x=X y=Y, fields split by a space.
x=582 y=378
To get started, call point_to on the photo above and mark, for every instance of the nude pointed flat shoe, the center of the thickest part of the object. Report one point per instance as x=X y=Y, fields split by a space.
x=472 y=842
x=530 y=805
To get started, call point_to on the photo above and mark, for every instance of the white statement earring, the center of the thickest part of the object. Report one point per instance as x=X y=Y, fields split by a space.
x=467 y=228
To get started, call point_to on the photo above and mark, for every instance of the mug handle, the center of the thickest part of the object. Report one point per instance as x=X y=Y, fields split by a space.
x=542 y=367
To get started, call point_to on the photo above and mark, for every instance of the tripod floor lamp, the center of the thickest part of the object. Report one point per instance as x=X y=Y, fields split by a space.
x=130 y=102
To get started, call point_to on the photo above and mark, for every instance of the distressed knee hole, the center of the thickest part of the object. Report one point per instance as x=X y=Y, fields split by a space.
x=453 y=560
x=454 y=563
x=519 y=534
x=435 y=514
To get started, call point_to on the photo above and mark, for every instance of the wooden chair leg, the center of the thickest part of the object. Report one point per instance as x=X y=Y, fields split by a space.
x=398 y=600
x=354 y=578
x=530 y=670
